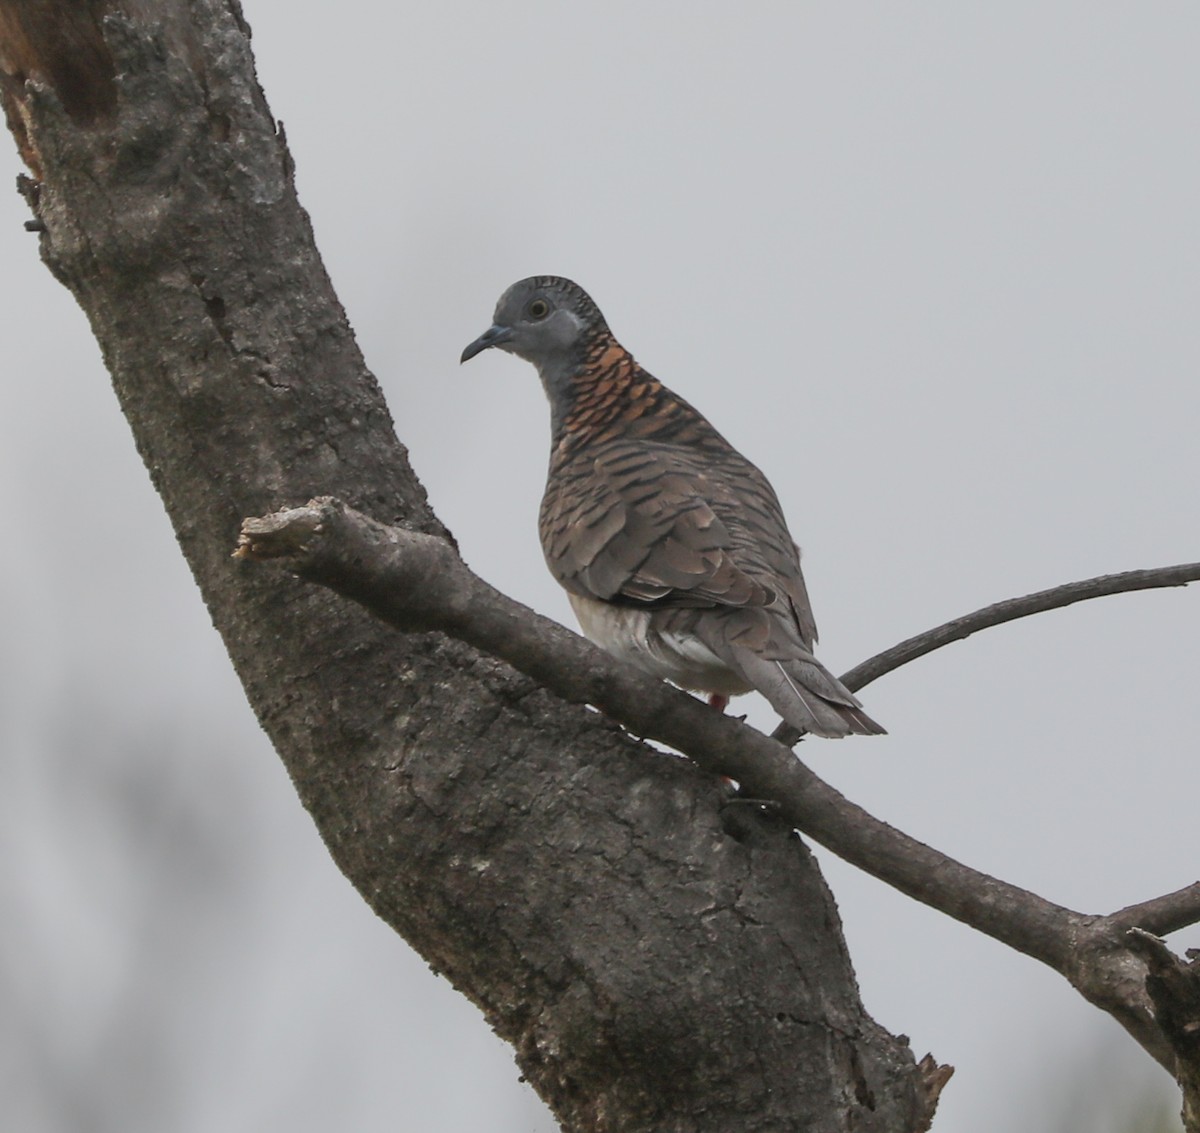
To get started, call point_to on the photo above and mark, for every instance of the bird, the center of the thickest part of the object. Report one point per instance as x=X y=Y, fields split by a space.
x=672 y=547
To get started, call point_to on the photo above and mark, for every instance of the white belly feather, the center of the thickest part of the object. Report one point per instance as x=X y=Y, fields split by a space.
x=683 y=659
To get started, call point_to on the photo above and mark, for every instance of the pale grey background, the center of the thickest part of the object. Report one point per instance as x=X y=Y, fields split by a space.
x=934 y=267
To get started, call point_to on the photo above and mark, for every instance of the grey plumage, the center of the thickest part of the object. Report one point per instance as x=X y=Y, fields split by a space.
x=671 y=545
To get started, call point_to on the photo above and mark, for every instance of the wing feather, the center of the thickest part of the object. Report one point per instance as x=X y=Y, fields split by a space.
x=646 y=522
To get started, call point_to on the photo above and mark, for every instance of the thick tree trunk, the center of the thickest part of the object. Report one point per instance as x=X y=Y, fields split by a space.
x=658 y=961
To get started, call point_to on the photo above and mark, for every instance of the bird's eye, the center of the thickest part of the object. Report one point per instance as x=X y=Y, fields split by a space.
x=538 y=309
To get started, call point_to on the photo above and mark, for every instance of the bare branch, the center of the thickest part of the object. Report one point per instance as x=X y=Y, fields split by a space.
x=1162 y=915
x=418 y=583
x=997 y=614
x=1011 y=609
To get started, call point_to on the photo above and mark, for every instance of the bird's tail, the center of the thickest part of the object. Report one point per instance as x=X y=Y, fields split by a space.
x=807 y=695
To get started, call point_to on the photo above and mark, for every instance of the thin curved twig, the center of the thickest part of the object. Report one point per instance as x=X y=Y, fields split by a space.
x=1012 y=608
x=997 y=614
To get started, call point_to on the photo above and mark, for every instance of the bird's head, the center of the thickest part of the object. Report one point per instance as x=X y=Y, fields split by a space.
x=544 y=319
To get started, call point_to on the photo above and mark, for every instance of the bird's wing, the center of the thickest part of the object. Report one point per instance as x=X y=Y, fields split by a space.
x=654 y=523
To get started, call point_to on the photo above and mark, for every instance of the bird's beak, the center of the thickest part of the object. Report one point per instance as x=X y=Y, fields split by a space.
x=493 y=336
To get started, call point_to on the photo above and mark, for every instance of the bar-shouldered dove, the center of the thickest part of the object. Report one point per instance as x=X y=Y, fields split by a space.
x=671 y=545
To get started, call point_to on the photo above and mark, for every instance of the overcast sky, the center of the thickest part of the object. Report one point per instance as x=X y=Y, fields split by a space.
x=934 y=268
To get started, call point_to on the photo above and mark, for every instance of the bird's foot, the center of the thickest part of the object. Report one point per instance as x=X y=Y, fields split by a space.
x=720 y=702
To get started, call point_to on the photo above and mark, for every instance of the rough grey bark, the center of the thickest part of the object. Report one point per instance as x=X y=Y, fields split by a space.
x=655 y=963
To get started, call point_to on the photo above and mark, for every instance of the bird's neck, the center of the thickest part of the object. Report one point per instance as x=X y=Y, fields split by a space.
x=592 y=391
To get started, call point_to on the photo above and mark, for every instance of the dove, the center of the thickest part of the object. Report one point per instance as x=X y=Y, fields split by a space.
x=672 y=547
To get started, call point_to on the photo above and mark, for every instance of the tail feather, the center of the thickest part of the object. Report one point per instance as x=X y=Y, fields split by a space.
x=808 y=696
x=861 y=724
x=769 y=657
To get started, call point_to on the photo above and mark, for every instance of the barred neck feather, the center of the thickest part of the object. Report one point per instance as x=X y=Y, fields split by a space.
x=605 y=394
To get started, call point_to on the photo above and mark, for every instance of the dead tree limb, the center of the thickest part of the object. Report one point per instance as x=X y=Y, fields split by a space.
x=418 y=583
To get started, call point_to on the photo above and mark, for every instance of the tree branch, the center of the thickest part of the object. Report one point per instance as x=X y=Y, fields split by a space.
x=997 y=614
x=1162 y=915
x=1013 y=608
x=418 y=583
